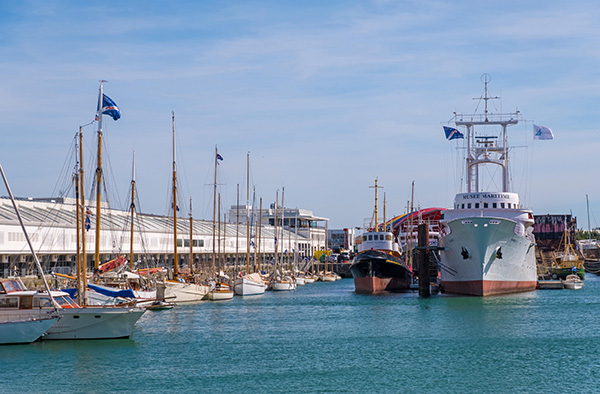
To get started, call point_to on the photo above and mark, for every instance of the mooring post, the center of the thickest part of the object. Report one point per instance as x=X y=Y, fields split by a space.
x=423 y=244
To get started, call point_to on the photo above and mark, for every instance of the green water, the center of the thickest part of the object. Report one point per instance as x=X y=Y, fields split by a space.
x=325 y=338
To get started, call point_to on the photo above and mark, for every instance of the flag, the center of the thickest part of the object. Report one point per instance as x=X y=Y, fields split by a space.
x=109 y=108
x=219 y=158
x=275 y=240
x=542 y=133
x=452 y=134
x=87 y=223
x=88 y=211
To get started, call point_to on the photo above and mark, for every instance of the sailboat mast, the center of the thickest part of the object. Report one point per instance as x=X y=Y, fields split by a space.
x=282 y=226
x=247 y=213
x=191 y=240
x=214 y=213
x=276 y=234
x=98 y=178
x=83 y=288
x=219 y=237
x=132 y=207
x=175 y=261
x=77 y=219
x=237 y=228
x=258 y=261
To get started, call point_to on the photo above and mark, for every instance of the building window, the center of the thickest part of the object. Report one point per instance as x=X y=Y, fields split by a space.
x=485 y=204
x=494 y=205
x=501 y=205
x=463 y=206
x=469 y=205
x=476 y=205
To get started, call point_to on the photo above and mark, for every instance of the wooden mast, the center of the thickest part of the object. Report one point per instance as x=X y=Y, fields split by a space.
x=214 y=213
x=132 y=207
x=247 y=213
x=77 y=219
x=275 y=222
x=191 y=240
x=237 y=229
x=175 y=262
x=98 y=178
x=83 y=288
x=259 y=236
x=219 y=235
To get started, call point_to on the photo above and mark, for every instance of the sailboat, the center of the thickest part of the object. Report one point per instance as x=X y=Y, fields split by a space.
x=74 y=321
x=219 y=291
x=250 y=283
x=280 y=281
x=177 y=289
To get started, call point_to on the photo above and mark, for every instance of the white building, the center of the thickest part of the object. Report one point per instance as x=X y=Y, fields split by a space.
x=51 y=225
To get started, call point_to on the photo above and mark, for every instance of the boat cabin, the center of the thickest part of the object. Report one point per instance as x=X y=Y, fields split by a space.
x=377 y=240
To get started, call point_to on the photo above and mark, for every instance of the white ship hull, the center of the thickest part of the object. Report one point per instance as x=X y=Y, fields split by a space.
x=179 y=292
x=247 y=287
x=285 y=285
x=484 y=256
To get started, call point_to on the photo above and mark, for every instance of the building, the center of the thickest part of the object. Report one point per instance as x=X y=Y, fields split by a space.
x=52 y=227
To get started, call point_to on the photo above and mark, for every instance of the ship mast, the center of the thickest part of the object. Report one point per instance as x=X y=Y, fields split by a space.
x=375 y=212
x=132 y=207
x=484 y=149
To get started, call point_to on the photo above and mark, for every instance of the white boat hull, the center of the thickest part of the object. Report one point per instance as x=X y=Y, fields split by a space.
x=95 y=323
x=471 y=264
x=248 y=287
x=283 y=286
x=26 y=331
x=327 y=278
x=300 y=281
x=220 y=295
x=179 y=292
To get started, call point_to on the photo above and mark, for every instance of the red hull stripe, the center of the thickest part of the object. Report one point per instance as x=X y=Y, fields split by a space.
x=373 y=284
x=488 y=287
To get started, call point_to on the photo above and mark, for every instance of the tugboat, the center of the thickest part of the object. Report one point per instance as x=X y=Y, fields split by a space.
x=379 y=266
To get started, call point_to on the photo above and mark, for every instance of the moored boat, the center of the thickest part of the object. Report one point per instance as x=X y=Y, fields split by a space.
x=487 y=239
x=24 y=330
x=573 y=282
x=378 y=266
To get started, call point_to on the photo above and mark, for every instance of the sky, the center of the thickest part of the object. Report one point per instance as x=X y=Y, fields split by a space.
x=325 y=96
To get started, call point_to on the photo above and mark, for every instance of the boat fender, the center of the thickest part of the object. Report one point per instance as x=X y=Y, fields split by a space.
x=465 y=253
x=499 y=252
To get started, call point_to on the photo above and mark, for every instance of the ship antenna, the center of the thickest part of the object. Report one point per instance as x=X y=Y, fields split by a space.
x=485 y=78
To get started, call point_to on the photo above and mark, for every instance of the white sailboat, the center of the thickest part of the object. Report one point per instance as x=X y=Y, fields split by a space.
x=220 y=291
x=280 y=281
x=177 y=289
x=248 y=284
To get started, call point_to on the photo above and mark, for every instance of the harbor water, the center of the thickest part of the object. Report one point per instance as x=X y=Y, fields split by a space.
x=324 y=338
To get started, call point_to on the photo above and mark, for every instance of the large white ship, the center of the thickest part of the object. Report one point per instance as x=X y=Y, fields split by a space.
x=487 y=239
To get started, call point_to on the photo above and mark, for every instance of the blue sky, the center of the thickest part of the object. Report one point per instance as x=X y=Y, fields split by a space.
x=326 y=97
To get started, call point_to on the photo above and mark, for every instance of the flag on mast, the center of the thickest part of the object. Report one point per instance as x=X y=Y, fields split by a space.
x=452 y=134
x=109 y=107
x=542 y=133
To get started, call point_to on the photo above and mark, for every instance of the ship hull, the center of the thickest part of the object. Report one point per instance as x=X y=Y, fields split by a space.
x=484 y=256
x=375 y=271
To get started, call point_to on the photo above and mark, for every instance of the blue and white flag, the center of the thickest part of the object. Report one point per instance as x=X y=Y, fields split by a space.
x=542 y=133
x=109 y=108
x=452 y=134
x=219 y=158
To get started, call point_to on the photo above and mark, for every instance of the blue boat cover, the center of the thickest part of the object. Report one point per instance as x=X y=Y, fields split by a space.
x=72 y=292
x=112 y=293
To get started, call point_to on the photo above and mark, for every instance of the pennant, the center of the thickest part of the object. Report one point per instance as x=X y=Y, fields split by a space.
x=542 y=133
x=87 y=223
x=219 y=158
x=452 y=134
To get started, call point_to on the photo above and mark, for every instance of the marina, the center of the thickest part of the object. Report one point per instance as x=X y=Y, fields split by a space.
x=327 y=338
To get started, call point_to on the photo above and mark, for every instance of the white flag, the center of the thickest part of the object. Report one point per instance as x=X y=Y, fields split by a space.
x=542 y=133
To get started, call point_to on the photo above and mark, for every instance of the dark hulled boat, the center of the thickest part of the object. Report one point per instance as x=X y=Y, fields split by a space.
x=378 y=266
x=380 y=270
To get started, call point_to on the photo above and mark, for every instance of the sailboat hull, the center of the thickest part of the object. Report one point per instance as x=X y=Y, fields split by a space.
x=179 y=292
x=248 y=287
x=15 y=332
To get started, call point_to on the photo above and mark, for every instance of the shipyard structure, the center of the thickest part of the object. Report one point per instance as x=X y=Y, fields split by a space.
x=52 y=226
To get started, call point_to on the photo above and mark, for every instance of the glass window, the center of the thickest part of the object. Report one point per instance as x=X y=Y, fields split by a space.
x=9 y=302
x=26 y=302
x=476 y=205
x=501 y=205
x=494 y=205
x=463 y=206
x=43 y=302
x=485 y=204
x=469 y=205
x=388 y=237
x=370 y=237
